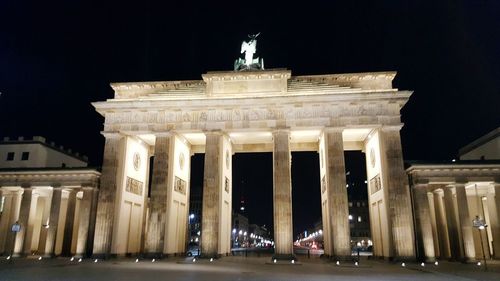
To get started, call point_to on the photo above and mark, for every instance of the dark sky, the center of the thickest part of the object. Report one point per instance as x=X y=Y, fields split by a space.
x=58 y=56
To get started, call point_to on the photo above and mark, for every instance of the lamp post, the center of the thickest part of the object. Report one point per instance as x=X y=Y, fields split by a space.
x=480 y=225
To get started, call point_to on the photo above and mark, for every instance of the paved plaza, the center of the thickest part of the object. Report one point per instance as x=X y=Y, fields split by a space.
x=237 y=268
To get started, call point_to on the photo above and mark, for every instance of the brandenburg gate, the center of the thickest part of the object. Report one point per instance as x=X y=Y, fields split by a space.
x=253 y=110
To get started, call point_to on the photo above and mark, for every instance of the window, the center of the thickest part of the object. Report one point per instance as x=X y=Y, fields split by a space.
x=350 y=204
x=358 y=204
x=25 y=156
x=350 y=217
x=359 y=218
x=10 y=156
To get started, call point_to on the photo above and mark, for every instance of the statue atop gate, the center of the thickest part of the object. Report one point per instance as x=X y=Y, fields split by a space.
x=249 y=48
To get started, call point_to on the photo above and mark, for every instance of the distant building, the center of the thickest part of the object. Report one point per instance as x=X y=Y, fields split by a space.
x=453 y=199
x=49 y=192
x=486 y=147
x=36 y=153
x=359 y=223
x=195 y=207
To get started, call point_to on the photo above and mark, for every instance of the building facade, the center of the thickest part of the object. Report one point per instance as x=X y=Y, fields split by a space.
x=48 y=196
x=249 y=111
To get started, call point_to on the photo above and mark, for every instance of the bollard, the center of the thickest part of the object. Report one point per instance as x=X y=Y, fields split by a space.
x=308 y=253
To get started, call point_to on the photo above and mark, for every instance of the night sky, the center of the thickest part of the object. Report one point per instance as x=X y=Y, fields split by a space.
x=56 y=57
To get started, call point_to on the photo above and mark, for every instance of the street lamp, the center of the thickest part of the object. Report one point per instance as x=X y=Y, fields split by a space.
x=480 y=224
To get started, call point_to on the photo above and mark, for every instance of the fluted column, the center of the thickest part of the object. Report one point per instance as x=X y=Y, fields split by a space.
x=454 y=235
x=155 y=238
x=5 y=220
x=24 y=216
x=14 y=216
x=465 y=223
x=282 y=194
x=399 y=203
x=423 y=217
x=107 y=194
x=211 y=195
x=55 y=209
x=442 y=228
x=337 y=193
x=494 y=211
x=70 y=221
x=83 y=222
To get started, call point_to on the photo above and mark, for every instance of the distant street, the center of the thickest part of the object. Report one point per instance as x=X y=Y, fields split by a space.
x=237 y=268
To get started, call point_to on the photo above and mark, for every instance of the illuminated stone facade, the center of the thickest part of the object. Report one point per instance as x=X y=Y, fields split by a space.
x=54 y=207
x=249 y=111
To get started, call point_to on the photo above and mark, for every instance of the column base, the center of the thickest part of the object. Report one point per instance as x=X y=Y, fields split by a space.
x=104 y=256
x=284 y=257
x=209 y=256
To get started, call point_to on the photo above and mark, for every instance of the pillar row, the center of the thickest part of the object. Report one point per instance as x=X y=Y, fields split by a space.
x=84 y=220
x=107 y=195
x=423 y=216
x=216 y=209
x=155 y=238
x=282 y=194
x=494 y=211
x=24 y=216
x=55 y=209
x=465 y=223
x=454 y=235
x=399 y=202
x=336 y=193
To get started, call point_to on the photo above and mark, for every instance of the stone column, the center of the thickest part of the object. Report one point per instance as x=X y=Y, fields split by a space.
x=70 y=220
x=6 y=221
x=93 y=213
x=465 y=223
x=107 y=194
x=24 y=216
x=452 y=222
x=399 y=203
x=211 y=195
x=494 y=211
x=55 y=209
x=282 y=195
x=14 y=216
x=442 y=228
x=423 y=216
x=337 y=193
x=155 y=238
x=83 y=222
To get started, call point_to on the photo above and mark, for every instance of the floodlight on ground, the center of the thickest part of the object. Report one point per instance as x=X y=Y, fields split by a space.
x=72 y=259
x=422 y=264
x=337 y=263
x=136 y=260
x=8 y=258
x=293 y=261
x=39 y=258
x=80 y=260
x=356 y=263
x=478 y=263
x=274 y=260
x=95 y=260
x=403 y=264
x=436 y=263
x=153 y=260
x=211 y=259
x=194 y=260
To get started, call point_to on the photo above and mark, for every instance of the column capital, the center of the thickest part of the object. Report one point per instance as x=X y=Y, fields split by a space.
x=277 y=130
x=111 y=135
x=213 y=132
x=391 y=128
x=333 y=129
x=162 y=133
